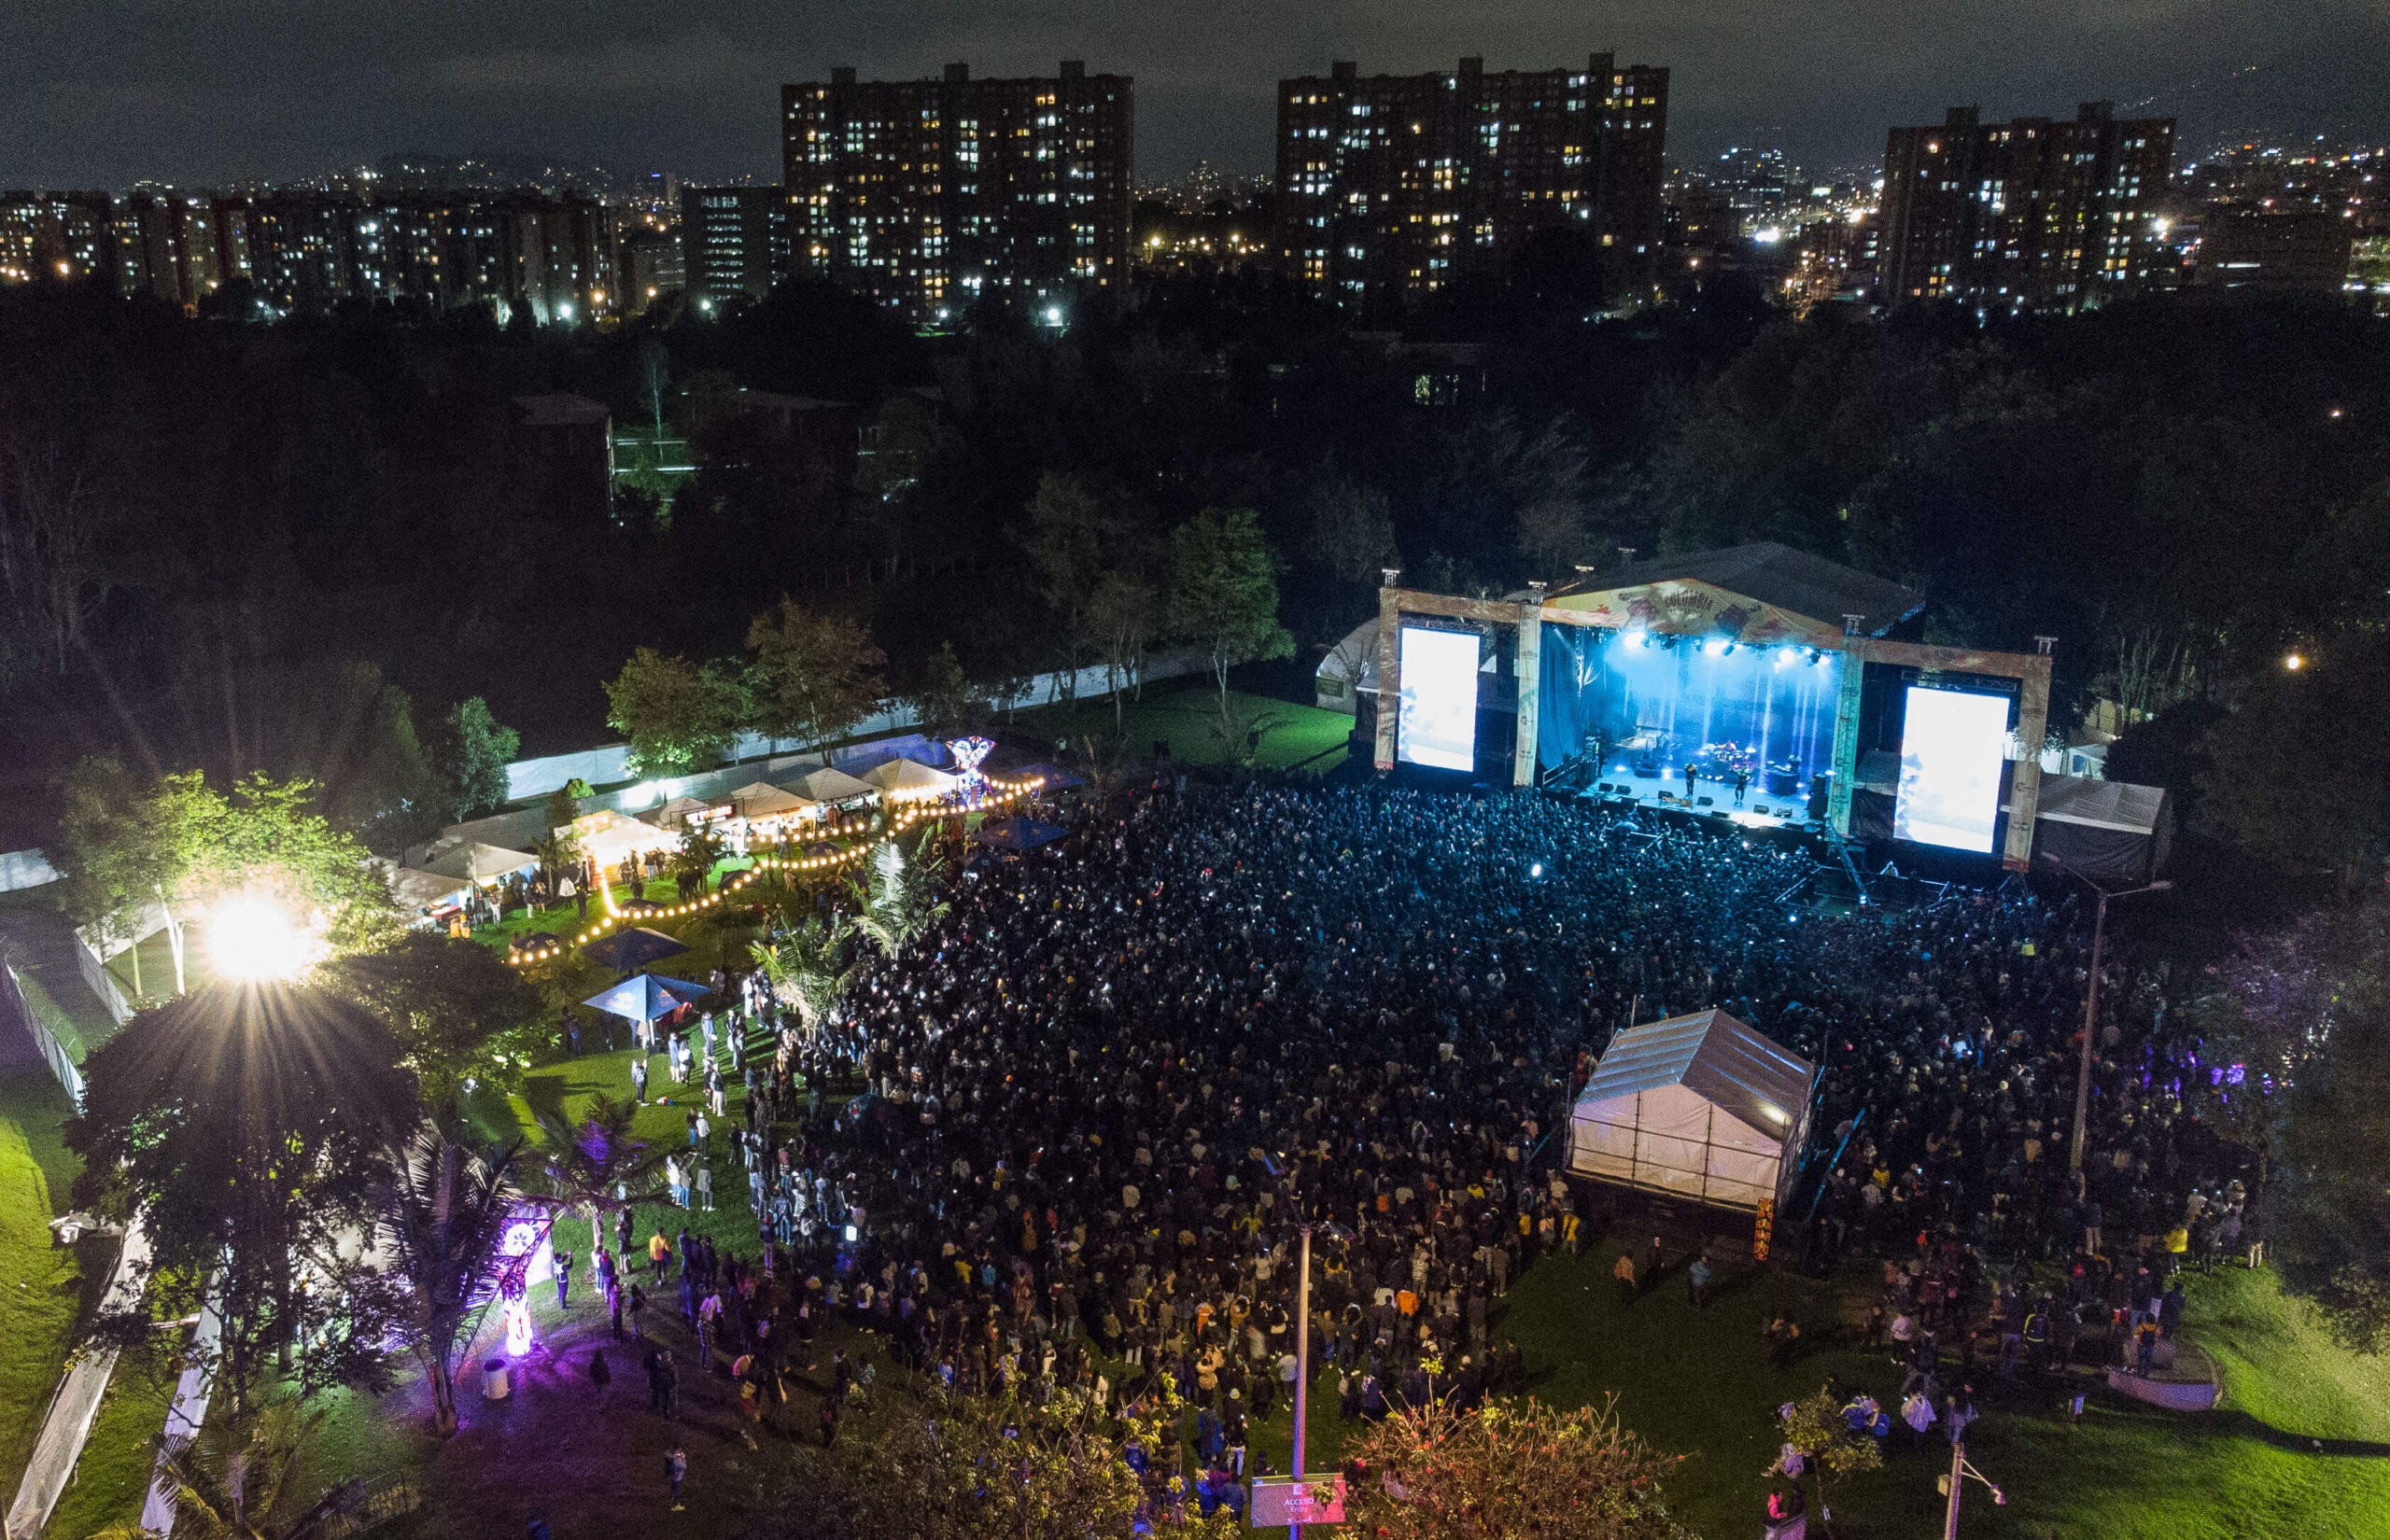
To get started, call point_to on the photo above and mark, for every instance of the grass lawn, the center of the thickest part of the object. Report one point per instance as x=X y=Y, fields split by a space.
x=40 y=1282
x=1190 y=719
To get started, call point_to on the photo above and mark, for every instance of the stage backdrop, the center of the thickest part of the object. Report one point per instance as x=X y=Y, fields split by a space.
x=1765 y=709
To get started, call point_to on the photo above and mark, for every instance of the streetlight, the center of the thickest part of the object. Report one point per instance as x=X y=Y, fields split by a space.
x=1302 y=1354
x=1956 y=1481
x=252 y=937
x=2092 y=1000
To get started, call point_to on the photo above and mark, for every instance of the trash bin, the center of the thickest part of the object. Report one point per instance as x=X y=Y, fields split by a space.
x=497 y=1383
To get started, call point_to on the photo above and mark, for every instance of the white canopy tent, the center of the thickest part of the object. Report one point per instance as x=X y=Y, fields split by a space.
x=831 y=784
x=674 y=814
x=475 y=861
x=608 y=837
x=907 y=780
x=1699 y=1106
x=759 y=801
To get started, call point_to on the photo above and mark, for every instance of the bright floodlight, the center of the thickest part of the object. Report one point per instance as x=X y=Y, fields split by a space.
x=252 y=937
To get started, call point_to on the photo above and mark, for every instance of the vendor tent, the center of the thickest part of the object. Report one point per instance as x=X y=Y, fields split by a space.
x=1697 y=1106
x=477 y=862
x=1048 y=778
x=635 y=947
x=1018 y=833
x=646 y=997
x=674 y=814
x=757 y=801
x=833 y=785
x=906 y=778
x=417 y=890
x=608 y=837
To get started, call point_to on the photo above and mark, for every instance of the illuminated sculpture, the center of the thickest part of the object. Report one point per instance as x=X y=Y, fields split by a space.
x=969 y=753
x=516 y=1248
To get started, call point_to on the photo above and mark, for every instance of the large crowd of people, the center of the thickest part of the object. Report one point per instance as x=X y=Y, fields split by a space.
x=1101 y=1096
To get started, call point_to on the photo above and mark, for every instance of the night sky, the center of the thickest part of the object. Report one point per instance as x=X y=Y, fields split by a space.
x=95 y=94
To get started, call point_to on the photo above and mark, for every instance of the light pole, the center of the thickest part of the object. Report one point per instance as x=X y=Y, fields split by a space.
x=1303 y=1369
x=1956 y=1481
x=2091 y=1013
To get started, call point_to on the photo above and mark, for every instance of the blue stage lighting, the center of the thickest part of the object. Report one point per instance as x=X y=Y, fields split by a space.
x=1717 y=647
x=1784 y=655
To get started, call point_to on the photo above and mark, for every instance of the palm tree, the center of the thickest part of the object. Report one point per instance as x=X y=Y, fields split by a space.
x=809 y=969
x=694 y=860
x=594 y=1165
x=558 y=853
x=444 y=1213
x=900 y=901
x=235 y=1498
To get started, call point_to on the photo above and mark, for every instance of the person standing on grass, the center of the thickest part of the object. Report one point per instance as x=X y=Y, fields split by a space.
x=705 y=1188
x=639 y=1078
x=600 y=1374
x=1697 y=1282
x=563 y=1263
x=614 y=1305
x=676 y=1468
x=659 y=1252
x=1624 y=1272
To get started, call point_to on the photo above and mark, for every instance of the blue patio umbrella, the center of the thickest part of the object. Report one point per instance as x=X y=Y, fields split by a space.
x=629 y=950
x=1054 y=779
x=1018 y=833
x=647 y=996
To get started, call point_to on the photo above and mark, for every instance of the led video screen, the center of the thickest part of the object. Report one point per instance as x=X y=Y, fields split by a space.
x=1952 y=747
x=1438 y=726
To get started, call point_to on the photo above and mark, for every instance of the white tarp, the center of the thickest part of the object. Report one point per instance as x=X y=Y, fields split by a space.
x=829 y=784
x=68 y=1425
x=908 y=779
x=477 y=862
x=1700 y=1106
x=760 y=799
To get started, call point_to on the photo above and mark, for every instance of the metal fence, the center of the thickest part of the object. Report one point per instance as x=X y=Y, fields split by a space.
x=15 y=1000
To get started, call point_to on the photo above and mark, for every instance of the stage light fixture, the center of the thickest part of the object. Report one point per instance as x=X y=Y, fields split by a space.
x=1716 y=647
x=1784 y=655
x=1534 y=871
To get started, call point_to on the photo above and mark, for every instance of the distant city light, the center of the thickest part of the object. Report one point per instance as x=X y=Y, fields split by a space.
x=2294 y=662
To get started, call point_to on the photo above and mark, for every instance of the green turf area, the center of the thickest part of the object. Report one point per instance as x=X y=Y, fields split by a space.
x=112 y=1479
x=1301 y=735
x=39 y=1280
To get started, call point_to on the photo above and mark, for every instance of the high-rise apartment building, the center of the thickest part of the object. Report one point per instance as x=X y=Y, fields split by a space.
x=309 y=250
x=1394 y=185
x=733 y=240
x=931 y=193
x=2032 y=214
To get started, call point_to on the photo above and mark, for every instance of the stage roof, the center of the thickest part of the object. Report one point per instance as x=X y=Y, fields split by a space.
x=1805 y=586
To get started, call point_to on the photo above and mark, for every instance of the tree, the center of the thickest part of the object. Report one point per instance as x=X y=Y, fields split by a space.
x=1518 y=1469
x=1224 y=593
x=944 y=705
x=816 y=674
x=810 y=968
x=694 y=859
x=677 y=715
x=179 y=843
x=1352 y=530
x=2298 y=1057
x=974 y=1469
x=1066 y=540
x=441 y=1214
x=233 y=1495
x=900 y=900
x=1121 y=614
x=472 y=751
x=2332 y=810
x=594 y=1165
x=245 y=1124
x=459 y=1011
x=1817 y=1427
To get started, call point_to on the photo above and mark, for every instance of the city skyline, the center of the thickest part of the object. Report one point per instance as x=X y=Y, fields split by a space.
x=116 y=94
